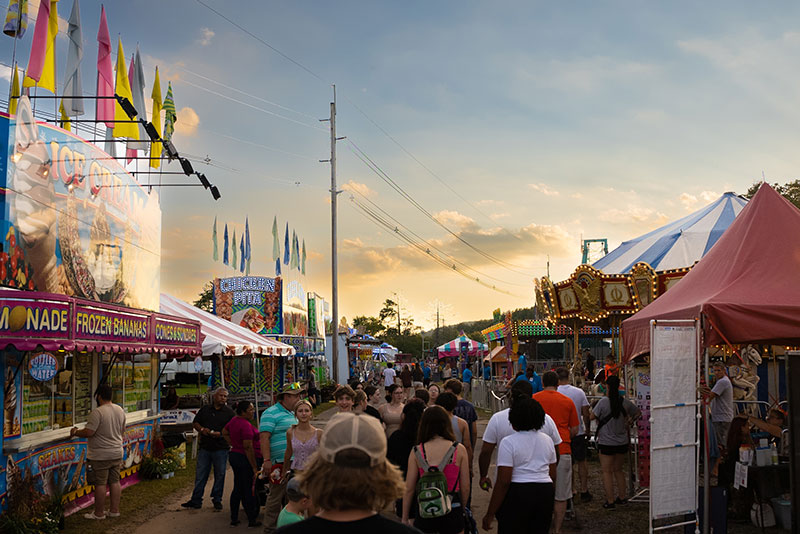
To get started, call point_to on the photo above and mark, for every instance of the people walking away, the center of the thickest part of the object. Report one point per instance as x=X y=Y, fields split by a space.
x=275 y=421
x=721 y=398
x=466 y=379
x=350 y=481
x=213 y=449
x=426 y=375
x=373 y=402
x=392 y=411
x=402 y=441
x=563 y=412
x=297 y=506
x=487 y=370
x=344 y=396
x=103 y=432
x=499 y=428
x=302 y=439
x=437 y=479
x=433 y=392
x=448 y=401
x=523 y=496
x=464 y=409
x=389 y=375
x=579 y=443
x=245 y=459
x=406 y=378
x=614 y=416
x=417 y=376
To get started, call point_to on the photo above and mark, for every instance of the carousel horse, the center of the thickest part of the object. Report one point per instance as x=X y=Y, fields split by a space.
x=745 y=380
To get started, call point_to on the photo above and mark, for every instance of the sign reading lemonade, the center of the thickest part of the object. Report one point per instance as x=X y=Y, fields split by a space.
x=45 y=319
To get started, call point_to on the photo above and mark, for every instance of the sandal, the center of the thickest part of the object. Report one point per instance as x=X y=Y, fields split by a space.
x=91 y=515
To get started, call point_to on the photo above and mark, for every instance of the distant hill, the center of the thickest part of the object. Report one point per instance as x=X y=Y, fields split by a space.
x=473 y=328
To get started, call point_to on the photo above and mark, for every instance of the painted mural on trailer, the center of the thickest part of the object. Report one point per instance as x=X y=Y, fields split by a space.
x=74 y=221
x=253 y=302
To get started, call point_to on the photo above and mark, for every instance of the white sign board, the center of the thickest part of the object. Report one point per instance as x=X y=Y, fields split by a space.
x=673 y=412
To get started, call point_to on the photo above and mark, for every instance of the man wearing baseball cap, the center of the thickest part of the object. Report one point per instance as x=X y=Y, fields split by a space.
x=275 y=421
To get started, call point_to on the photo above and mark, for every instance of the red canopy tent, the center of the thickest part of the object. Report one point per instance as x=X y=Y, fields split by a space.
x=745 y=288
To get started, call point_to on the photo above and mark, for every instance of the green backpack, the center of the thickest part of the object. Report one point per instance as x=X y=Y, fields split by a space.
x=433 y=496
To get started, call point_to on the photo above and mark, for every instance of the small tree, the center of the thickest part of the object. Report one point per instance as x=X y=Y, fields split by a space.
x=205 y=300
x=790 y=191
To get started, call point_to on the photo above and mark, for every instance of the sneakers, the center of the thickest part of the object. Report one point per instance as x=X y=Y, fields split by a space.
x=91 y=515
x=608 y=505
x=112 y=514
x=235 y=522
x=621 y=501
x=254 y=524
x=193 y=505
x=586 y=496
x=217 y=506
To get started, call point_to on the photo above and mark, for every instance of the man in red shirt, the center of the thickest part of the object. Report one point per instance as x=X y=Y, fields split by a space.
x=565 y=415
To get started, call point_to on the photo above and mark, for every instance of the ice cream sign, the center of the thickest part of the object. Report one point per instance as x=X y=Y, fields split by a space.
x=43 y=367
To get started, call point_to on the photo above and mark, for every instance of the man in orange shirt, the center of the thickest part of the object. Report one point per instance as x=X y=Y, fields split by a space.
x=563 y=412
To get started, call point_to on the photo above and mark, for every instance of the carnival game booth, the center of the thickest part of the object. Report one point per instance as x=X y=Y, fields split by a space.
x=55 y=351
x=309 y=357
x=462 y=350
x=359 y=355
x=743 y=291
x=247 y=364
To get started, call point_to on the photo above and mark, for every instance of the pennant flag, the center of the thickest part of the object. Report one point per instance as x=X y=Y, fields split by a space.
x=155 y=118
x=278 y=267
x=233 y=250
x=214 y=240
x=242 y=255
x=65 y=124
x=130 y=153
x=16 y=19
x=297 y=252
x=73 y=87
x=303 y=258
x=293 y=261
x=247 y=243
x=41 y=70
x=225 y=247
x=15 y=92
x=104 y=107
x=276 y=243
x=287 y=250
x=137 y=90
x=122 y=125
x=170 y=115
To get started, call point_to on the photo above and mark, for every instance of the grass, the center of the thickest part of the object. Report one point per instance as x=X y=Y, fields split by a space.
x=135 y=499
x=191 y=390
x=323 y=407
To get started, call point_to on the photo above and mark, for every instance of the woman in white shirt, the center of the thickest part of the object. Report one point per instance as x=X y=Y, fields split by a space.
x=524 y=494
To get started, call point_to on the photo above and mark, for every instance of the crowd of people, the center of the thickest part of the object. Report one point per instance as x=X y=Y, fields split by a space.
x=409 y=449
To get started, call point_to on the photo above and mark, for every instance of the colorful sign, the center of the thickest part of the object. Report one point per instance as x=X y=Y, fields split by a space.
x=171 y=332
x=253 y=302
x=74 y=222
x=96 y=323
x=43 y=366
x=25 y=318
x=12 y=391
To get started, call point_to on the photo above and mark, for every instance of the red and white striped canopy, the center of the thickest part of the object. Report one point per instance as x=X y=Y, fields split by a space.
x=224 y=337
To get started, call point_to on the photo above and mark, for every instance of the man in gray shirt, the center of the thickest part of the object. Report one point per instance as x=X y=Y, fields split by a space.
x=103 y=430
x=721 y=397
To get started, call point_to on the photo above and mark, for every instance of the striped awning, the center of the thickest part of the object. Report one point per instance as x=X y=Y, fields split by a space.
x=224 y=337
x=453 y=348
x=679 y=244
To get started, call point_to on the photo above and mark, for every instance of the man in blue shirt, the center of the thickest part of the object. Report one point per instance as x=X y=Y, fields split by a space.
x=466 y=378
x=487 y=370
x=535 y=380
x=523 y=363
x=426 y=375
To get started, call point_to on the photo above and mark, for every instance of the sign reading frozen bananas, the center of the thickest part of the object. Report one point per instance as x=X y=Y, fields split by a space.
x=253 y=302
x=74 y=221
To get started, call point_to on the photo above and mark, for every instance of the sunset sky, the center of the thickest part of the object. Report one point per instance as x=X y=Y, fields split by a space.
x=520 y=126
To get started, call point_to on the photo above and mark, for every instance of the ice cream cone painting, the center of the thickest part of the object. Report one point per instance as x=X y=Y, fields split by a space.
x=11 y=405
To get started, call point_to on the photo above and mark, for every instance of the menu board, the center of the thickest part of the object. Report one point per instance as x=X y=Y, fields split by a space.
x=82 y=369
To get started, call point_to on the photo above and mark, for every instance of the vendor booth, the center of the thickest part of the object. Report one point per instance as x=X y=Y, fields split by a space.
x=462 y=351
x=743 y=291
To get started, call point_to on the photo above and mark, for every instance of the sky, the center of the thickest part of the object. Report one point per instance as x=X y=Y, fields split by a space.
x=521 y=127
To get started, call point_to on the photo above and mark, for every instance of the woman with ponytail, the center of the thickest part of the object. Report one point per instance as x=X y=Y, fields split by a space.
x=614 y=415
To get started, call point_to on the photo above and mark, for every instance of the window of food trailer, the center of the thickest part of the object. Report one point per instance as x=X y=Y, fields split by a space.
x=131 y=379
x=60 y=401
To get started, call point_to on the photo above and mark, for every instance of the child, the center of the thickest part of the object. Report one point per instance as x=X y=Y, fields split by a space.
x=297 y=506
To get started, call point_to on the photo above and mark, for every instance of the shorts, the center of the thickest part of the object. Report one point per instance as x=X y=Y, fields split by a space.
x=578 y=446
x=611 y=450
x=721 y=429
x=564 y=478
x=102 y=472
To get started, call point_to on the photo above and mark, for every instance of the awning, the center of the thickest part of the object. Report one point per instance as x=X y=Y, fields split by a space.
x=498 y=354
x=222 y=336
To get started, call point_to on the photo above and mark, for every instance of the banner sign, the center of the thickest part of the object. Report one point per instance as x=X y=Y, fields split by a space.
x=302 y=345
x=178 y=417
x=74 y=221
x=171 y=332
x=253 y=302
x=43 y=366
x=108 y=325
x=24 y=318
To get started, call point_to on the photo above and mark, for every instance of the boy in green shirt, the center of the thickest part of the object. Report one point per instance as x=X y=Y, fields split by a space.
x=296 y=508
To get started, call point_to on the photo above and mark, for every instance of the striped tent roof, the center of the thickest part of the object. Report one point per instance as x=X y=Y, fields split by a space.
x=453 y=348
x=222 y=336
x=680 y=243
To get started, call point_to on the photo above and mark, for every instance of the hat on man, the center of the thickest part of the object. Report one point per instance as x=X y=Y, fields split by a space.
x=293 y=388
x=352 y=431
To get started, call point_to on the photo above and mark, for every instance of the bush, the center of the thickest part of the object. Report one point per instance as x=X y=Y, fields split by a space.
x=29 y=511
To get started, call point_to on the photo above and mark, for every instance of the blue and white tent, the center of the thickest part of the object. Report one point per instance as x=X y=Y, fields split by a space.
x=680 y=243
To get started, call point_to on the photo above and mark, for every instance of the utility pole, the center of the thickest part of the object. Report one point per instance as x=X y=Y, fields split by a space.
x=397 y=295
x=334 y=255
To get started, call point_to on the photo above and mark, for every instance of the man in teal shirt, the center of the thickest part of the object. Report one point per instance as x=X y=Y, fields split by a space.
x=275 y=421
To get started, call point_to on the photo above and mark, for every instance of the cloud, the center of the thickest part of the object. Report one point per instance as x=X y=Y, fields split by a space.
x=498 y=216
x=693 y=202
x=586 y=74
x=634 y=214
x=5 y=73
x=187 y=122
x=453 y=219
x=543 y=189
x=206 y=34
x=357 y=187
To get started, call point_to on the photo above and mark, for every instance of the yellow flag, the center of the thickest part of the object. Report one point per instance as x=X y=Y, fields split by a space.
x=48 y=78
x=15 y=92
x=155 y=149
x=123 y=88
x=64 y=118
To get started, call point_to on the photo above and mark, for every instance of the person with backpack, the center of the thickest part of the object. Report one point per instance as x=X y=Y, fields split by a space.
x=437 y=480
x=613 y=414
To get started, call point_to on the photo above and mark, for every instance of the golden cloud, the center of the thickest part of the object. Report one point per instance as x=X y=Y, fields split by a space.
x=187 y=122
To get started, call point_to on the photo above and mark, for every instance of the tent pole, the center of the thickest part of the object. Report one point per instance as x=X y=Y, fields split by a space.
x=706 y=467
x=221 y=371
x=255 y=386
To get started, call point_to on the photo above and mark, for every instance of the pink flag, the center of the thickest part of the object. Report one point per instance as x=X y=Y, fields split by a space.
x=39 y=46
x=105 y=73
